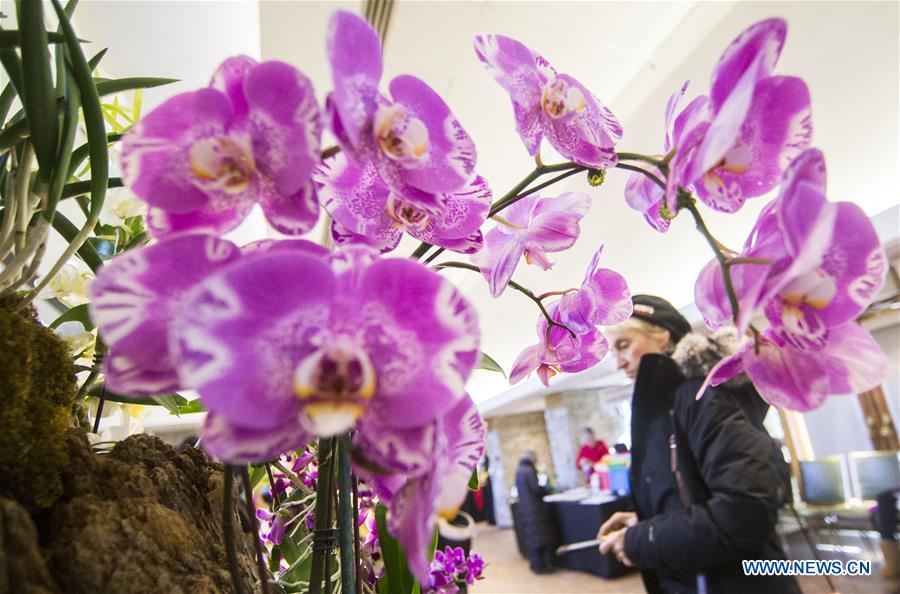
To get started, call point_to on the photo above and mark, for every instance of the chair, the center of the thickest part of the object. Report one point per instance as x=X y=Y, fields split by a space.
x=872 y=473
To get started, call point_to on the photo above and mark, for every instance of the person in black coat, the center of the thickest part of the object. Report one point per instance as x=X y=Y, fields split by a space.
x=536 y=524
x=705 y=474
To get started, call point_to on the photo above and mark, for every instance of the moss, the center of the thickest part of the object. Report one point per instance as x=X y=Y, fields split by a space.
x=37 y=386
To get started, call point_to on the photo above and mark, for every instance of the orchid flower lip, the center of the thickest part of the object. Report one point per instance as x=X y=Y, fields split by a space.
x=225 y=160
x=401 y=137
x=334 y=384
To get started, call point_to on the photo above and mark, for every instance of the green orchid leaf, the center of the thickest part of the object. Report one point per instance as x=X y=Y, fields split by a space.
x=79 y=313
x=93 y=115
x=119 y=85
x=68 y=231
x=39 y=100
x=488 y=364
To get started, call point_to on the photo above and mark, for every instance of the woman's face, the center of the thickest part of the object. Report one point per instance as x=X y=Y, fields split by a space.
x=630 y=344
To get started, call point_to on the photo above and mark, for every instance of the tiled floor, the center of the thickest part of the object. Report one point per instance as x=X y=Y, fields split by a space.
x=507 y=572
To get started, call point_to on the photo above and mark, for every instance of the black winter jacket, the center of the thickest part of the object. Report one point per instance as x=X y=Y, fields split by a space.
x=730 y=471
x=537 y=526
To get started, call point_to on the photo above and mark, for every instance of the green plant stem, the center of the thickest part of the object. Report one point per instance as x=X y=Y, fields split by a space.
x=276 y=503
x=356 y=557
x=99 y=414
x=251 y=511
x=345 y=517
x=691 y=206
x=757 y=261
x=324 y=489
x=228 y=529
x=514 y=285
x=655 y=161
x=510 y=199
x=330 y=152
x=655 y=179
x=513 y=195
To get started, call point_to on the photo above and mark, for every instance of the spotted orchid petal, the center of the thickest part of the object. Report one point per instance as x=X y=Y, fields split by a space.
x=136 y=296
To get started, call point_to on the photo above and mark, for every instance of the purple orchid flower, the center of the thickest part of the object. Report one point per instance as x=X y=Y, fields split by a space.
x=136 y=295
x=441 y=488
x=312 y=344
x=201 y=160
x=475 y=568
x=559 y=351
x=531 y=227
x=641 y=192
x=755 y=124
x=814 y=265
x=412 y=138
x=848 y=362
x=549 y=104
x=602 y=300
x=365 y=210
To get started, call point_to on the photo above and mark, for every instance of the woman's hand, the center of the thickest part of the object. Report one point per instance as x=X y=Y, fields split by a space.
x=612 y=535
x=617 y=521
x=615 y=542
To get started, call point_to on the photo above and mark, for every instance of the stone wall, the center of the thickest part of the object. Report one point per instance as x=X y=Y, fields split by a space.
x=606 y=411
x=516 y=434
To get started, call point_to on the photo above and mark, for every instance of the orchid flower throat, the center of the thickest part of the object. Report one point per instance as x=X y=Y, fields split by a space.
x=736 y=161
x=401 y=136
x=404 y=214
x=335 y=383
x=225 y=162
x=558 y=99
x=816 y=289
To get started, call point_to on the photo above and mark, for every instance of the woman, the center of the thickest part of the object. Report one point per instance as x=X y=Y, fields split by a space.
x=705 y=474
x=592 y=451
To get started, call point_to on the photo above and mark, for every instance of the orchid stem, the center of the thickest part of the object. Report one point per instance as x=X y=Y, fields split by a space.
x=251 y=510
x=324 y=487
x=569 y=169
x=655 y=161
x=758 y=261
x=356 y=563
x=345 y=517
x=228 y=529
x=330 y=152
x=691 y=206
x=640 y=170
x=276 y=503
x=513 y=284
x=513 y=196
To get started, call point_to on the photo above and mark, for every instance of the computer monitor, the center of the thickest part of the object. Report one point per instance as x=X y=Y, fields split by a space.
x=872 y=473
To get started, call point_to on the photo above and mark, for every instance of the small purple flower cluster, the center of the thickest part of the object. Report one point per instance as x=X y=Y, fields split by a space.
x=451 y=567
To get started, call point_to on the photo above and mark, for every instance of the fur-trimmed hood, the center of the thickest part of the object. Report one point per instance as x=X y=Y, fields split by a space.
x=698 y=352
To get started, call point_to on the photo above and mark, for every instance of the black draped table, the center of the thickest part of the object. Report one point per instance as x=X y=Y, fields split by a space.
x=578 y=517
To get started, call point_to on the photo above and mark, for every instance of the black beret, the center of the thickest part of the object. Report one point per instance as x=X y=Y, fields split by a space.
x=660 y=312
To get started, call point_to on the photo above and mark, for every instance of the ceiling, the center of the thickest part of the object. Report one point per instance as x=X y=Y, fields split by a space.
x=631 y=54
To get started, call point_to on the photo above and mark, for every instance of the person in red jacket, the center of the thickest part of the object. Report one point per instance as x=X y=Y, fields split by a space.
x=592 y=450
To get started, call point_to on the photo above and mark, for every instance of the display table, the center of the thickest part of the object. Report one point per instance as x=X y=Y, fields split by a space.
x=578 y=516
x=579 y=519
